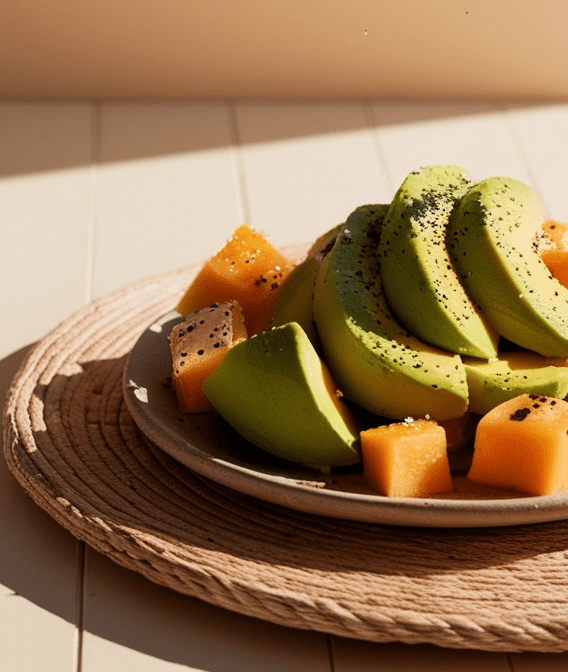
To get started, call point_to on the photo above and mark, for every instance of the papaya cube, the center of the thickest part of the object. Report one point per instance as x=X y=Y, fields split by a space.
x=247 y=269
x=198 y=345
x=522 y=445
x=406 y=459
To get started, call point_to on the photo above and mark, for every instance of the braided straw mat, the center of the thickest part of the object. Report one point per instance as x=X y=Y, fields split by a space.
x=74 y=447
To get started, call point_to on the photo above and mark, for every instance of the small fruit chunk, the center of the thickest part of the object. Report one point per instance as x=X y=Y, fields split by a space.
x=555 y=252
x=198 y=344
x=522 y=445
x=247 y=269
x=278 y=394
x=406 y=459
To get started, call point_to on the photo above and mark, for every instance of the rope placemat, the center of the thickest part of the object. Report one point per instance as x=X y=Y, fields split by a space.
x=73 y=446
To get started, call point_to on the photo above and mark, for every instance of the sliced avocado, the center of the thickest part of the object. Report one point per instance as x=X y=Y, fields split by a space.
x=376 y=362
x=418 y=277
x=278 y=394
x=492 y=241
x=511 y=374
x=295 y=300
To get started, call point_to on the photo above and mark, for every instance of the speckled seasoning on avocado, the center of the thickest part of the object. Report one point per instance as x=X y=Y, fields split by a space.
x=491 y=240
x=378 y=364
x=417 y=274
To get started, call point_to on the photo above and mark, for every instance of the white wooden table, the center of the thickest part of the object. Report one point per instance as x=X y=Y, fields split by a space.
x=95 y=196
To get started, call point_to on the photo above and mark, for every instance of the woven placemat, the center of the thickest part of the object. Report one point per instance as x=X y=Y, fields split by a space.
x=74 y=447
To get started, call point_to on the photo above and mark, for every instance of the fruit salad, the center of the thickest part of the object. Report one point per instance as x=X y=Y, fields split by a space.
x=405 y=333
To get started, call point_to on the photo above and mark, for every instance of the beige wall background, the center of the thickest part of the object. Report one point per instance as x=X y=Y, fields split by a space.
x=282 y=49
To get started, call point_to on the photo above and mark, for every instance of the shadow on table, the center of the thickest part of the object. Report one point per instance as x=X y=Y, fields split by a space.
x=142 y=130
x=39 y=559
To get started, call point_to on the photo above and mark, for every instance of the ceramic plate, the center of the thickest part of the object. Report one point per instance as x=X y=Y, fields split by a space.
x=207 y=445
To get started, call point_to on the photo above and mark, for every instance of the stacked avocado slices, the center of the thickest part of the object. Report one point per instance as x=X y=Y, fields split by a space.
x=417 y=272
x=407 y=304
x=378 y=363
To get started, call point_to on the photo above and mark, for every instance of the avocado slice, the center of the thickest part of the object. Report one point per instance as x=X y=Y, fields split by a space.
x=418 y=277
x=375 y=361
x=277 y=393
x=511 y=374
x=295 y=300
x=491 y=238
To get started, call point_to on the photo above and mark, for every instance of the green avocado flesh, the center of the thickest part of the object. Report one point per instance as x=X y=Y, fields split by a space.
x=377 y=364
x=275 y=392
x=295 y=301
x=511 y=374
x=491 y=240
x=418 y=277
